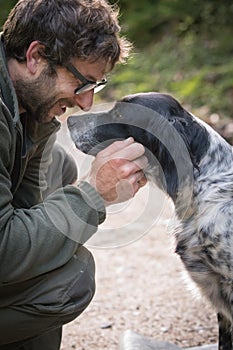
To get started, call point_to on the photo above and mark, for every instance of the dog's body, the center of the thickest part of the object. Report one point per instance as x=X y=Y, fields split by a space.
x=194 y=165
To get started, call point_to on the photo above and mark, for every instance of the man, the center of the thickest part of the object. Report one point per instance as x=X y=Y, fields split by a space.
x=54 y=54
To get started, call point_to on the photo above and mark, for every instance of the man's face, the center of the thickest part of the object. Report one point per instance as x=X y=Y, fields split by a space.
x=48 y=96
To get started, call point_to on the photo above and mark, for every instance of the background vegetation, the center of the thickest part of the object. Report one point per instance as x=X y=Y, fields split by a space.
x=181 y=47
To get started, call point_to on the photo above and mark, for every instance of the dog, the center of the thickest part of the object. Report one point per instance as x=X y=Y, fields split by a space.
x=193 y=164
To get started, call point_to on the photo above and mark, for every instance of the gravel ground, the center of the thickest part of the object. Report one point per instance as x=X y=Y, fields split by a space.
x=140 y=283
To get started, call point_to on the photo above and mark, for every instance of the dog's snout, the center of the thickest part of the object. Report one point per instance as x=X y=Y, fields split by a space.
x=71 y=121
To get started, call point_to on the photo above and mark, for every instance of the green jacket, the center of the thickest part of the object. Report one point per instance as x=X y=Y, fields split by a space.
x=36 y=236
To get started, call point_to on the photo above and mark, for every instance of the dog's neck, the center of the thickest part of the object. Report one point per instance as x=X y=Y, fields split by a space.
x=211 y=181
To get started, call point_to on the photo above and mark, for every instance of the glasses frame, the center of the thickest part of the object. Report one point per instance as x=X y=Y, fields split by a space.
x=87 y=84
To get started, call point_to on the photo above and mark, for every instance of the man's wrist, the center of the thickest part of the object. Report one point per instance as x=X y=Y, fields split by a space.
x=92 y=198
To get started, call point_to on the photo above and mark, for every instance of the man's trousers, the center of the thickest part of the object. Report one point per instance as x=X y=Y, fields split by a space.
x=36 y=309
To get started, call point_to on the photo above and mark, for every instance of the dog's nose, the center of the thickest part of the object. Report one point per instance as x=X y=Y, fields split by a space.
x=82 y=121
x=76 y=122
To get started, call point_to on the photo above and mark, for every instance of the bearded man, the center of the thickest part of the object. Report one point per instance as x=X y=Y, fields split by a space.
x=54 y=54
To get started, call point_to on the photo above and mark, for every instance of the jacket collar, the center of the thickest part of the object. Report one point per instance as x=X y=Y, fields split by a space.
x=7 y=89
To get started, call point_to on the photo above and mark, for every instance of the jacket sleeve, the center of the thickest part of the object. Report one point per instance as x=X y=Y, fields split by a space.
x=42 y=237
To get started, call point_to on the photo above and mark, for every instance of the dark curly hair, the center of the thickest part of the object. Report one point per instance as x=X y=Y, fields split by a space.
x=83 y=29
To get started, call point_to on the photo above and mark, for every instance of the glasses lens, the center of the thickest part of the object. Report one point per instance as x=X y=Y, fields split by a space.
x=91 y=86
x=85 y=88
x=100 y=86
x=87 y=84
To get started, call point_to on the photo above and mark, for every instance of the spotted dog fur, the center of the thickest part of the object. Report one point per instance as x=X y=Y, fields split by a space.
x=204 y=234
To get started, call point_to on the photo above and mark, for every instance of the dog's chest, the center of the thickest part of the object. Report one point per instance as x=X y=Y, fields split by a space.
x=205 y=245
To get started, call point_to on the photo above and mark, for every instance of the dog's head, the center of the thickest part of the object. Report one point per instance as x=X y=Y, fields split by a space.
x=171 y=135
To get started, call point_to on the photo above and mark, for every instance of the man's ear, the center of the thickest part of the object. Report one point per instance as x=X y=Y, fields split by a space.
x=34 y=60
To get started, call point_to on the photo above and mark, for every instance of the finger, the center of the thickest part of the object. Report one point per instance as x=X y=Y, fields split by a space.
x=131 y=151
x=116 y=147
x=137 y=180
x=138 y=177
x=142 y=182
x=141 y=162
x=126 y=188
x=126 y=168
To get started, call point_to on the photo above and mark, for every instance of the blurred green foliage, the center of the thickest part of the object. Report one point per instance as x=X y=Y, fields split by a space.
x=197 y=70
x=146 y=21
x=181 y=47
x=5 y=7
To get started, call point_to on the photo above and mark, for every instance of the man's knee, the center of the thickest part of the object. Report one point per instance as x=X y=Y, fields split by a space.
x=70 y=289
x=82 y=289
x=55 y=299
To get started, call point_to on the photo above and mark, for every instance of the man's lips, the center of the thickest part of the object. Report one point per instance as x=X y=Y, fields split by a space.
x=62 y=108
x=59 y=110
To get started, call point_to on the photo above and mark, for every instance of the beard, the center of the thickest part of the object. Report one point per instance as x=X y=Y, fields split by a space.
x=36 y=96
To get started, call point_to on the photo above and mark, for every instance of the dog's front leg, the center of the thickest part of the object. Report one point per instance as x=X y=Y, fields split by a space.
x=225 y=333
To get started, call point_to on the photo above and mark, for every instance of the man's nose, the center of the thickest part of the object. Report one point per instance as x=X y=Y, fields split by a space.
x=85 y=100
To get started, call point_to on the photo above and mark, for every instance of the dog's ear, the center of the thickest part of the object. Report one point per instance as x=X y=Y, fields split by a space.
x=194 y=135
x=199 y=142
x=168 y=109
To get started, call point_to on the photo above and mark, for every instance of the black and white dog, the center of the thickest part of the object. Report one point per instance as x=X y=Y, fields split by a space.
x=194 y=165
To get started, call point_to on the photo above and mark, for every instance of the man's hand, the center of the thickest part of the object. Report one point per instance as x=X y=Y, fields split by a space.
x=116 y=173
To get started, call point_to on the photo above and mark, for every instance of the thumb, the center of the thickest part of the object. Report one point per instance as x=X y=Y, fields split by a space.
x=115 y=147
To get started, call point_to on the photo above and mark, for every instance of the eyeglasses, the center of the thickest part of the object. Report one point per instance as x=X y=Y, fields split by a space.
x=87 y=84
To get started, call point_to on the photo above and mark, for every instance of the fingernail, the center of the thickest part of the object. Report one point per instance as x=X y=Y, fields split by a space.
x=129 y=139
